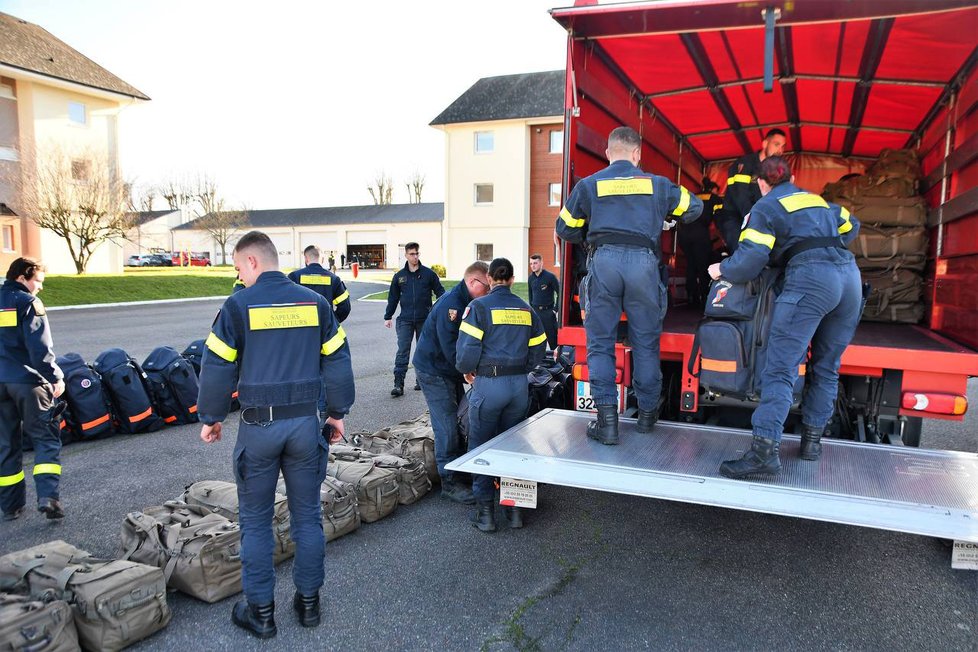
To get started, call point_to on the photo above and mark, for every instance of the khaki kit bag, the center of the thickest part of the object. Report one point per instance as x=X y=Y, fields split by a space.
x=27 y=624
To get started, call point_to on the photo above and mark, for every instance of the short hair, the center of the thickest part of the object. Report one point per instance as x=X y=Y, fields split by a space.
x=478 y=267
x=260 y=244
x=500 y=269
x=411 y=245
x=775 y=170
x=26 y=267
x=624 y=137
x=312 y=251
x=775 y=132
x=708 y=184
x=536 y=257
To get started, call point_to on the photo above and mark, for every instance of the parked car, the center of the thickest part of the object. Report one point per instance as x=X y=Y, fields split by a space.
x=197 y=259
x=149 y=260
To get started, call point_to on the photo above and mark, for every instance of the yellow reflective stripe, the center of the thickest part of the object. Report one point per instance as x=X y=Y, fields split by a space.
x=626 y=186
x=47 y=468
x=11 y=480
x=468 y=328
x=738 y=178
x=8 y=318
x=797 y=202
x=756 y=236
x=215 y=344
x=846 y=225
x=340 y=299
x=683 y=201
x=542 y=337
x=569 y=219
x=717 y=207
x=335 y=342
x=314 y=279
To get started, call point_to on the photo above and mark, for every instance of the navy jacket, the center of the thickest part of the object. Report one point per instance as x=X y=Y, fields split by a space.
x=26 y=348
x=435 y=353
x=785 y=217
x=275 y=342
x=699 y=229
x=413 y=291
x=742 y=189
x=500 y=329
x=544 y=289
x=622 y=204
x=319 y=279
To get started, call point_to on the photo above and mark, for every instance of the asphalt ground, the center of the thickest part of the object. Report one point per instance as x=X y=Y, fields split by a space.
x=590 y=571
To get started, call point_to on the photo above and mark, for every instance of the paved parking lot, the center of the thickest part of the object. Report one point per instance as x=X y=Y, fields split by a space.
x=590 y=571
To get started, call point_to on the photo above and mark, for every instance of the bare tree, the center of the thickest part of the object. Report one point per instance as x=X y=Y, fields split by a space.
x=178 y=192
x=415 y=184
x=223 y=225
x=382 y=190
x=147 y=198
x=77 y=197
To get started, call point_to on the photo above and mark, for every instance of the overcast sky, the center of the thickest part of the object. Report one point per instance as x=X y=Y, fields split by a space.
x=296 y=104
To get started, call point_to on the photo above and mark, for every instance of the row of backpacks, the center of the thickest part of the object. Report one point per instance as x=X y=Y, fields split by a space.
x=116 y=394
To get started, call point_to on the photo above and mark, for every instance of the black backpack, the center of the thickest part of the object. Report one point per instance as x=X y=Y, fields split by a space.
x=89 y=412
x=125 y=382
x=172 y=385
x=194 y=353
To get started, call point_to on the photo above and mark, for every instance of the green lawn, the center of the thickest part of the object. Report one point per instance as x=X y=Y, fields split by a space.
x=519 y=289
x=136 y=285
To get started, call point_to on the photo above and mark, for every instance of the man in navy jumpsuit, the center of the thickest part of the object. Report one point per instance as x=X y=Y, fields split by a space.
x=544 y=291
x=412 y=287
x=620 y=212
x=322 y=281
x=501 y=339
x=442 y=384
x=742 y=189
x=30 y=381
x=820 y=303
x=276 y=342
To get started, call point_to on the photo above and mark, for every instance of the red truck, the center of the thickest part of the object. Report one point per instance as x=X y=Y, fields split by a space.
x=845 y=79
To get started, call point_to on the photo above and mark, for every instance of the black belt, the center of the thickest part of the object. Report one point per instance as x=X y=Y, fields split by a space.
x=262 y=416
x=494 y=370
x=812 y=243
x=619 y=238
x=544 y=307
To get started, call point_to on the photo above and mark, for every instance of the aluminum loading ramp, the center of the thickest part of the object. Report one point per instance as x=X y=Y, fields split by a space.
x=919 y=491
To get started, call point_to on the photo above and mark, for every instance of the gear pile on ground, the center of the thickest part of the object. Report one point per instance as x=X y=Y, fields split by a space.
x=893 y=236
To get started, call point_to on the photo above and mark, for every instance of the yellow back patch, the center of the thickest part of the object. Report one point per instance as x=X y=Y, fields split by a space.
x=314 y=279
x=636 y=186
x=8 y=318
x=794 y=203
x=511 y=316
x=285 y=316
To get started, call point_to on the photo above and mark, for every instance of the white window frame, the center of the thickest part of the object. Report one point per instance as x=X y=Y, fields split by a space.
x=557 y=254
x=9 y=154
x=492 y=142
x=492 y=251
x=84 y=110
x=475 y=194
x=557 y=138
x=8 y=237
x=550 y=198
x=7 y=92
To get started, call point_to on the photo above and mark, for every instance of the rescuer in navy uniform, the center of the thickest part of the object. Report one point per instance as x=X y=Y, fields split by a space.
x=742 y=188
x=30 y=381
x=412 y=287
x=820 y=303
x=321 y=280
x=442 y=384
x=620 y=213
x=544 y=289
x=694 y=240
x=275 y=342
x=501 y=339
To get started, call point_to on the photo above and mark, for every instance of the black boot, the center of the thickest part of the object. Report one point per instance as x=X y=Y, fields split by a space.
x=605 y=428
x=811 y=443
x=398 y=387
x=761 y=458
x=456 y=492
x=307 y=609
x=514 y=516
x=257 y=619
x=646 y=421
x=13 y=515
x=483 y=517
x=50 y=507
x=417 y=386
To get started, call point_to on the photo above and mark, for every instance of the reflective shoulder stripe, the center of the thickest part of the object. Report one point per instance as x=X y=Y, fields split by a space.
x=54 y=469
x=569 y=219
x=217 y=345
x=542 y=337
x=756 y=236
x=332 y=344
x=8 y=318
x=797 y=202
x=683 y=201
x=626 y=186
x=738 y=178
x=469 y=329
x=846 y=225
x=340 y=299
x=11 y=480
x=314 y=279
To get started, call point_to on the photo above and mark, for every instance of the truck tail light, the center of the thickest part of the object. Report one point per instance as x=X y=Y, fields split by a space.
x=935 y=403
x=579 y=372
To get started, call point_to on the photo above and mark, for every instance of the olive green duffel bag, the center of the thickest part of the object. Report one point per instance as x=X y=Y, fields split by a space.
x=115 y=602
x=376 y=488
x=412 y=478
x=341 y=514
x=27 y=624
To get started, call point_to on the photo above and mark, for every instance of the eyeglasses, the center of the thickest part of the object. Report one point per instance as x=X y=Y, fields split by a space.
x=481 y=282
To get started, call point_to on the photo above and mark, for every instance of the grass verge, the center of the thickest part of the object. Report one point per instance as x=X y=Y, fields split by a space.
x=140 y=286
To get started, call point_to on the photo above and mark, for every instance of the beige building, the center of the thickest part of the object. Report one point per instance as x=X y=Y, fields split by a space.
x=54 y=102
x=503 y=144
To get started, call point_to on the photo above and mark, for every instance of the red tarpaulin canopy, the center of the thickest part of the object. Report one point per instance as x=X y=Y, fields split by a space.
x=850 y=76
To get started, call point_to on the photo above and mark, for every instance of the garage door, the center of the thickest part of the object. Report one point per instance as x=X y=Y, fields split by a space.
x=283 y=242
x=366 y=237
x=326 y=240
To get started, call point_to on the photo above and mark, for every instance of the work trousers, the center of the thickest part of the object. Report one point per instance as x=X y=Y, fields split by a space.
x=549 y=319
x=730 y=230
x=298 y=449
x=28 y=410
x=442 y=395
x=496 y=404
x=406 y=330
x=697 y=248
